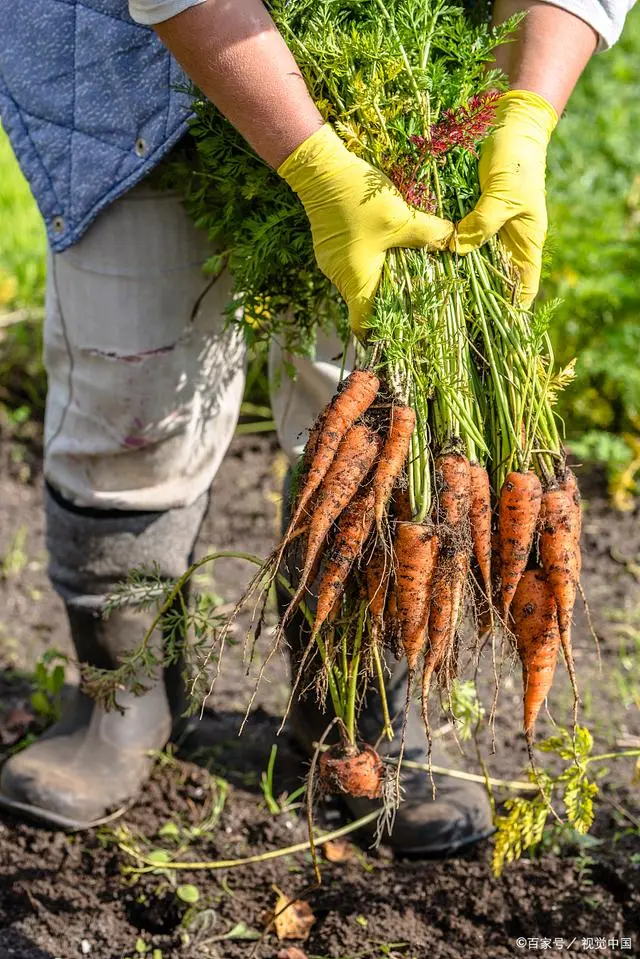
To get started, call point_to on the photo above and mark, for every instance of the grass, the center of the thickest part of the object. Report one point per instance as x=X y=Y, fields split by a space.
x=22 y=239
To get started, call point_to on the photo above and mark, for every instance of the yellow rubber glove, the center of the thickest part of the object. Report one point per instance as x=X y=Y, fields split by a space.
x=356 y=215
x=512 y=168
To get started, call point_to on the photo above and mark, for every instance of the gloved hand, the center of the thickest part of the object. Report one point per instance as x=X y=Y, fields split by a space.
x=356 y=215
x=512 y=175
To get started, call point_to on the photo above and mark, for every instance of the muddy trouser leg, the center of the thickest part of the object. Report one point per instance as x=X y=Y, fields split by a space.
x=145 y=385
x=461 y=813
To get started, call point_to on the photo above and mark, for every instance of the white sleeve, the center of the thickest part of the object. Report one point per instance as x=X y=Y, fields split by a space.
x=150 y=12
x=605 y=16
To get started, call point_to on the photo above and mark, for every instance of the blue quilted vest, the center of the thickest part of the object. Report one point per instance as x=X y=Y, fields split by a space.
x=87 y=99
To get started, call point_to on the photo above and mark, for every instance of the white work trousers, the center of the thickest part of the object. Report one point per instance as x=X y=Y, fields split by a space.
x=145 y=375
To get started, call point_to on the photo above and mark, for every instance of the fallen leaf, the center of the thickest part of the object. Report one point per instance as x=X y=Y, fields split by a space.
x=338 y=850
x=293 y=918
x=291 y=952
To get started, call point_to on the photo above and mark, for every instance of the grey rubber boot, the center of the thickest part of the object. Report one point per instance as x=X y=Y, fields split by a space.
x=92 y=763
x=459 y=815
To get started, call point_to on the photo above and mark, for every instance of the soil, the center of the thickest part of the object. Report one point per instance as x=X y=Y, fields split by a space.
x=72 y=895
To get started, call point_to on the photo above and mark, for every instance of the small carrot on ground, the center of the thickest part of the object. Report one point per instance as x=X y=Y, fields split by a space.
x=537 y=640
x=349 y=771
x=480 y=523
x=393 y=457
x=453 y=479
x=518 y=511
x=416 y=552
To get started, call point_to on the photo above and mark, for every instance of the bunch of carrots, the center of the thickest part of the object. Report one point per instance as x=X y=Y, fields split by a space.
x=435 y=482
x=364 y=550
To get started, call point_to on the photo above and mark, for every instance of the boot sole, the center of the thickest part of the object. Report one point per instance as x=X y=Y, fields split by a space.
x=43 y=817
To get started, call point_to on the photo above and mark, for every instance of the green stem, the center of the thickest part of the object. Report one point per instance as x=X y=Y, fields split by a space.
x=354 y=675
x=216 y=864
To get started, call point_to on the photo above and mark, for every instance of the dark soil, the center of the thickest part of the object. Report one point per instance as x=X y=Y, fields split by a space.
x=67 y=896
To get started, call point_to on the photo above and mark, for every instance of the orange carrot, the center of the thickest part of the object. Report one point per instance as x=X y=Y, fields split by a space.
x=446 y=605
x=416 y=553
x=480 y=522
x=569 y=484
x=518 y=511
x=559 y=555
x=354 y=527
x=377 y=573
x=454 y=488
x=393 y=457
x=346 y=770
x=402 y=505
x=358 y=452
x=310 y=450
x=355 y=397
x=391 y=626
x=537 y=641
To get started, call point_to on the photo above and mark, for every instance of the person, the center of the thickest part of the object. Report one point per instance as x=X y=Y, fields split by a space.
x=145 y=379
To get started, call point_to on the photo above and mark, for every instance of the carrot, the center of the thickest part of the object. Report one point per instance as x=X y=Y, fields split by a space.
x=518 y=511
x=402 y=505
x=354 y=527
x=454 y=484
x=393 y=457
x=416 y=553
x=356 y=396
x=537 y=641
x=357 y=453
x=377 y=573
x=569 y=484
x=310 y=449
x=346 y=770
x=559 y=554
x=391 y=626
x=480 y=522
x=446 y=603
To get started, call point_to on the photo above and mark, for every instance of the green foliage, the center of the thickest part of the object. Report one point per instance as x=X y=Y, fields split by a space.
x=284 y=803
x=188 y=893
x=521 y=827
x=22 y=238
x=594 y=210
x=466 y=707
x=48 y=681
x=349 y=54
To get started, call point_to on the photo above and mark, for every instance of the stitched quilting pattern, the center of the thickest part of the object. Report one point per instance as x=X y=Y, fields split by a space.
x=87 y=98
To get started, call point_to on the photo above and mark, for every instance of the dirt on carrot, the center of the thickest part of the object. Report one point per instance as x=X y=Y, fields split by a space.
x=480 y=522
x=347 y=770
x=518 y=512
x=416 y=554
x=354 y=528
x=453 y=479
x=393 y=457
x=535 y=626
x=356 y=396
x=559 y=555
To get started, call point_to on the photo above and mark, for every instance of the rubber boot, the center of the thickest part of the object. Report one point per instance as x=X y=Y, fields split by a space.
x=92 y=763
x=459 y=815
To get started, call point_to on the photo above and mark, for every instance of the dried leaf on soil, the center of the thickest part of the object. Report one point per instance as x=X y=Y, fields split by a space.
x=293 y=917
x=292 y=952
x=338 y=850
